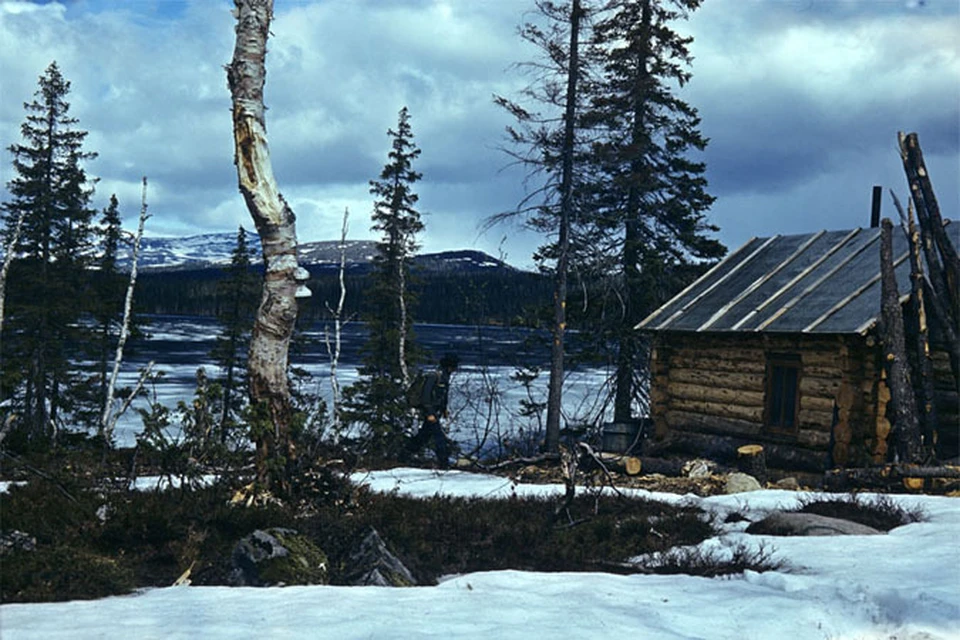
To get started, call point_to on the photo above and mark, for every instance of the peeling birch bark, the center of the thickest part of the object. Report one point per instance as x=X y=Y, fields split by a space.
x=276 y=225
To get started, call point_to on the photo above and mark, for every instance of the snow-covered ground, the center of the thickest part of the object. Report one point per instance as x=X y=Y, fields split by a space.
x=903 y=586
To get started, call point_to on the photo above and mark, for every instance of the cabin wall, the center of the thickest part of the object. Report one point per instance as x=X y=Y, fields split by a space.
x=714 y=385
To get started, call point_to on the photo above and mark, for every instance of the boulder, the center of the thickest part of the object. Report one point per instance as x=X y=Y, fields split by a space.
x=790 y=484
x=741 y=483
x=373 y=565
x=808 y=524
x=278 y=557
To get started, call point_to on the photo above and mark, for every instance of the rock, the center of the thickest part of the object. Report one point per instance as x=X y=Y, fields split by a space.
x=698 y=468
x=808 y=524
x=788 y=484
x=372 y=565
x=278 y=557
x=16 y=541
x=738 y=482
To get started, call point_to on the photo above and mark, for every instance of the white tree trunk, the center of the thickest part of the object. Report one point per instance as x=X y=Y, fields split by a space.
x=109 y=419
x=276 y=225
x=334 y=350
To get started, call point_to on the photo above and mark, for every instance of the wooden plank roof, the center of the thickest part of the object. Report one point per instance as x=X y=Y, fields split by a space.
x=824 y=282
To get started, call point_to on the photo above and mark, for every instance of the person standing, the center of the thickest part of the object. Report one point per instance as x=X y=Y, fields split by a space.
x=432 y=407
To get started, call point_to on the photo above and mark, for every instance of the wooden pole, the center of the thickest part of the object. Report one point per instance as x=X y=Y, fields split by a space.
x=906 y=428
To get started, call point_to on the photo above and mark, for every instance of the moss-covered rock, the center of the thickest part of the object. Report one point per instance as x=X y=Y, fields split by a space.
x=278 y=557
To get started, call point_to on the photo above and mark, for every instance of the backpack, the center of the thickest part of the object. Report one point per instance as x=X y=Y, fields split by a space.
x=421 y=390
x=415 y=399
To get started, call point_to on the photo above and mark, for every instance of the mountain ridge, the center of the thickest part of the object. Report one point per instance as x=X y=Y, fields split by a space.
x=213 y=251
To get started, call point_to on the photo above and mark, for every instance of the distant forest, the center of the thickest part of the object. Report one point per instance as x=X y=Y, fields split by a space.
x=497 y=296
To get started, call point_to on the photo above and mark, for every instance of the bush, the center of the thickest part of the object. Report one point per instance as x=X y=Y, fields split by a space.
x=62 y=573
x=713 y=563
x=445 y=535
x=878 y=511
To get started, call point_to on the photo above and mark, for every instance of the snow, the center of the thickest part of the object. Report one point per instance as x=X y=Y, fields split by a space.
x=904 y=585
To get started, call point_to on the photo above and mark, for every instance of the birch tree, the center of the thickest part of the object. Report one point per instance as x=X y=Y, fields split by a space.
x=275 y=222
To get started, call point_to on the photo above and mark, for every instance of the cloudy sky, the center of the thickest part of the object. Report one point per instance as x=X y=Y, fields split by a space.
x=802 y=100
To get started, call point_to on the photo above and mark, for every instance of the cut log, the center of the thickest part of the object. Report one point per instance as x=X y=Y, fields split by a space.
x=753 y=461
x=744 y=381
x=630 y=465
x=887 y=477
x=715 y=394
x=724 y=449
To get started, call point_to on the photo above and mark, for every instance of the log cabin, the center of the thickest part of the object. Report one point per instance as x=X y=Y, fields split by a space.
x=778 y=345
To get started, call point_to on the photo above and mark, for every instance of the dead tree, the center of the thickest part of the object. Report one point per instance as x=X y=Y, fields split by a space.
x=906 y=428
x=943 y=264
x=333 y=350
x=918 y=329
x=276 y=225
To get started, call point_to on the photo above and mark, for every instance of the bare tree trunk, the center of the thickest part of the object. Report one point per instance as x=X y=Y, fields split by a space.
x=276 y=225
x=555 y=390
x=906 y=429
x=923 y=370
x=334 y=350
x=108 y=420
x=928 y=211
x=943 y=265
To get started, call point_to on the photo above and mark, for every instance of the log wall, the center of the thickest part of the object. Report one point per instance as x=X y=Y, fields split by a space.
x=714 y=385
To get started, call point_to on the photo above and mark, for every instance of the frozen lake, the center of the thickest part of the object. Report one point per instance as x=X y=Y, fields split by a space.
x=485 y=401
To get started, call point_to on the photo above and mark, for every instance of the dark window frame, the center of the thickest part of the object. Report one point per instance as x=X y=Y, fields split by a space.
x=781 y=396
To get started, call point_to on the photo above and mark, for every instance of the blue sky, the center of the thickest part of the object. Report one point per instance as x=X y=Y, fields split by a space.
x=801 y=99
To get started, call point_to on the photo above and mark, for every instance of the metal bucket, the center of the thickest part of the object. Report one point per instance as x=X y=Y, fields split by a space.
x=622 y=437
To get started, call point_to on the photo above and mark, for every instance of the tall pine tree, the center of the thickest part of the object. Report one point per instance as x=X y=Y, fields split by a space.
x=648 y=194
x=378 y=398
x=547 y=143
x=49 y=276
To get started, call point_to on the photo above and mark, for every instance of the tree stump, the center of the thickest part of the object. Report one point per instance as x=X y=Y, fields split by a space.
x=752 y=460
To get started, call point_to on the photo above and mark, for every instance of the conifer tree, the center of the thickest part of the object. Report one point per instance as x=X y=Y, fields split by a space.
x=49 y=276
x=235 y=312
x=109 y=288
x=648 y=194
x=548 y=143
x=377 y=399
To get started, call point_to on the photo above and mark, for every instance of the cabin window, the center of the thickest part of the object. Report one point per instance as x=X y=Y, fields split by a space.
x=782 y=392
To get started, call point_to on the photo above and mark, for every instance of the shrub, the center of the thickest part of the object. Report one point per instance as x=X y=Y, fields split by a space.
x=711 y=563
x=878 y=511
x=62 y=573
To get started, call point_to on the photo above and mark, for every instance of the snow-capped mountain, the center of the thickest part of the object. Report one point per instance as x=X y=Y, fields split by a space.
x=213 y=250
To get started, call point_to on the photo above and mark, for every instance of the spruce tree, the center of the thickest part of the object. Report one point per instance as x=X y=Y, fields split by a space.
x=237 y=304
x=110 y=286
x=377 y=399
x=548 y=142
x=49 y=276
x=648 y=193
